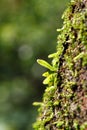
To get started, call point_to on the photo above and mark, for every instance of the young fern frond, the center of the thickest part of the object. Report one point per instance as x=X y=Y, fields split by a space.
x=52 y=55
x=48 y=79
x=45 y=64
x=45 y=74
x=37 y=103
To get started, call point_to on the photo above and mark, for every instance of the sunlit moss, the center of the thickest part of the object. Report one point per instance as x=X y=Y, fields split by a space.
x=64 y=100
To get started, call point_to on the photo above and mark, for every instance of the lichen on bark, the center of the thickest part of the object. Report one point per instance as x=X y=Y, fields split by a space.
x=64 y=105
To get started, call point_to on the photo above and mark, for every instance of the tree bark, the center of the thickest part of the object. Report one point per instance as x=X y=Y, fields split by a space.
x=64 y=105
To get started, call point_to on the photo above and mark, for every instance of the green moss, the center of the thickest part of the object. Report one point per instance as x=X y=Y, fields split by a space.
x=64 y=101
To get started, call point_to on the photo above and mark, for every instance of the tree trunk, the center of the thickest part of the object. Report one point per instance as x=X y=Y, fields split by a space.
x=64 y=105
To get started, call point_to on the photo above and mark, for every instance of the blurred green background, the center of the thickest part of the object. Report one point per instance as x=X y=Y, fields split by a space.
x=27 y=32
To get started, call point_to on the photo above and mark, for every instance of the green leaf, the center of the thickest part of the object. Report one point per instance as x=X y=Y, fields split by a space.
x=48 y=89
x=79 y=56
x=52 y=55
x=48 y=79
x=45 y=64
x=37 y=103
x=45 y=74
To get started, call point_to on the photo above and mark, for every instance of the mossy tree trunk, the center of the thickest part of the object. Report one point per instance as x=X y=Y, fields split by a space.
x=64 y=105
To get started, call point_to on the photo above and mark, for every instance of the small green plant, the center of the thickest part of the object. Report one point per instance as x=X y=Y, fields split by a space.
x=64 y=105
x=46 y=64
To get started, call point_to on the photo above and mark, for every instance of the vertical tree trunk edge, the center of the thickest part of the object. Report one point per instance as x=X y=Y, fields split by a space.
x=64 y=104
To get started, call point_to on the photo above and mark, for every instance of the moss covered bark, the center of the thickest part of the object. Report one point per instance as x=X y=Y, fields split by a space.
x=64 y=105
